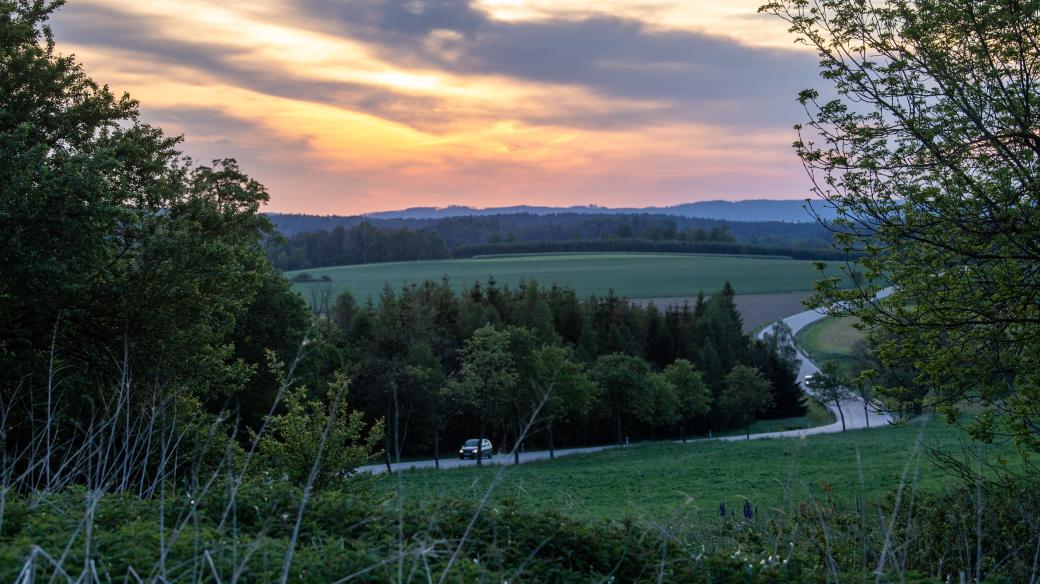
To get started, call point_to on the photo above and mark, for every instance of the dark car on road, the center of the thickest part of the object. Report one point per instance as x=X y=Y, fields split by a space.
x=469 y=449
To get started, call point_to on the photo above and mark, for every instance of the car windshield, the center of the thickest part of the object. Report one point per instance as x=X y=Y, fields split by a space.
x=472 y=442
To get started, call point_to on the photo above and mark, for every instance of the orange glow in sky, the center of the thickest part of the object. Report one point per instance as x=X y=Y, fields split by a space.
x=349 y=106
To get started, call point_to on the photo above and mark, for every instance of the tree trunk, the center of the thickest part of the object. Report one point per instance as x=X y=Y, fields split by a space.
x=866 y=412
x=747 y=432
x=386 y=437
x=552 y=451
x=436 y=448
x=480 y=442
x=837 y=404
x=682 y=432
x=516 y=447
x=618 y=419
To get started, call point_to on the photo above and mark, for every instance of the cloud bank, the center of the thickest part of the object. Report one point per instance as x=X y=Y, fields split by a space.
x=357 y=105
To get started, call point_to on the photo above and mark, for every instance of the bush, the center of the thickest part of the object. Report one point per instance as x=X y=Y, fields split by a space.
x=921 y=534
x=345 y=532
x=323 y=435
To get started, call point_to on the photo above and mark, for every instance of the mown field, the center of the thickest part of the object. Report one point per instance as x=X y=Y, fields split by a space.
x=664 y=481
x=631 y=275
x=756 y=310
x=831 y=339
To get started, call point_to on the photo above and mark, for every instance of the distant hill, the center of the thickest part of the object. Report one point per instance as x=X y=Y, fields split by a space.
x=750 y=210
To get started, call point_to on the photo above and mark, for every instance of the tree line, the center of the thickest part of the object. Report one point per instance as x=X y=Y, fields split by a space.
x=644 y=246
x=361 y=244
x=471 y=229
x=369 y=241
x=486 y=361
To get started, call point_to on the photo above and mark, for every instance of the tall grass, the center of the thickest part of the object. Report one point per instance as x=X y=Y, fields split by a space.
x=189 y=505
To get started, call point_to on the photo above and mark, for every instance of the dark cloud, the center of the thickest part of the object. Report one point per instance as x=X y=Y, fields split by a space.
x=710 y=77
x=687 y=76
x=102 y=27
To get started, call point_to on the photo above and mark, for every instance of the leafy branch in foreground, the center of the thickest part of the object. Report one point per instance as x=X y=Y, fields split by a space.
x=927 y=147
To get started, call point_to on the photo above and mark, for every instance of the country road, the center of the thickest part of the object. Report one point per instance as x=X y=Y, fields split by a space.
x=855 y=417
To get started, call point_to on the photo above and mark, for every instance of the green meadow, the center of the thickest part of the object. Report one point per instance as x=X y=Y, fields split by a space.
x=662 y=481
x=628 y=274
x=831 y=339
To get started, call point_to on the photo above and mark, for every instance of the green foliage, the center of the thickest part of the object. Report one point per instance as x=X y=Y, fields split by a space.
x=277 y=321
x=747 y=393
x=831 y=386
x=344 y=535
x=777 y=357
x=975 y=532
x=405 y=349
x=571 y=392
x=321 y=435
x=487 y=370
x=622 y=379
x=132 y=279
x=487 y=379
x=929 y=156
x=662 y=481
x=360 y=244
x=694 y=396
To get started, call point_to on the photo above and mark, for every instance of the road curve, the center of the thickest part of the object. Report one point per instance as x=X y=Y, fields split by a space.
x=855 y=417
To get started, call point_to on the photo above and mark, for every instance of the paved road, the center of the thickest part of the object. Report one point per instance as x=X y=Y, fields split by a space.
x=855 y=414
x=503 y=458
x=855 y=417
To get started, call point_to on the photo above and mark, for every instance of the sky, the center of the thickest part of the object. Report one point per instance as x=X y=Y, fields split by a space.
x=351 y=106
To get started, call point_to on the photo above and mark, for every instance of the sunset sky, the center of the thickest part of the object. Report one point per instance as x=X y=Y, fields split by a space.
x=347 y=106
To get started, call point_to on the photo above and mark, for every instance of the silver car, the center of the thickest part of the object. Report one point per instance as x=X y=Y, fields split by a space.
x=469 y=449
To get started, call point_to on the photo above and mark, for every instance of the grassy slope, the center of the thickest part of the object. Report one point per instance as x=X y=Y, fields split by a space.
x=660 y=481
x=817 y=415
x=830 y=339
x=632 y=275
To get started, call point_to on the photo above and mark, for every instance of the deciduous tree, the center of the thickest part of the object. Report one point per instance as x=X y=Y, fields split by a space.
x=831 y=386
x=693 y=394
x=926 y=145
x=746 y=394
x=487 y=373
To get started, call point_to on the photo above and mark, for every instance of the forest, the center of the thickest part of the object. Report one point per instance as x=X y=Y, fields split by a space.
x=312 y=242
x=609 y=369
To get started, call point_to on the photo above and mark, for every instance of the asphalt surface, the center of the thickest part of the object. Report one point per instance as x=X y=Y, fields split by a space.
x=856 y=416
x=501 y=458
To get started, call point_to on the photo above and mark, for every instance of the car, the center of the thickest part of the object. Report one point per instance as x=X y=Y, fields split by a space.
x=808 y=380
x=469 y=449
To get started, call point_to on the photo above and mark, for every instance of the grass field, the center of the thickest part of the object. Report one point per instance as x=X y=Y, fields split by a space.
x=631 y=275
x=662 y=481
x=831 y=339
x=817 y=415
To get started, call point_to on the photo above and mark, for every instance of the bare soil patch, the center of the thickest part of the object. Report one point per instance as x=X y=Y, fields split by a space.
x=757 y=309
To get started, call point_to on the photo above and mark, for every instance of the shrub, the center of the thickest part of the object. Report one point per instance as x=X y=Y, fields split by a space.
x=344 y=533
x=323 y=435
